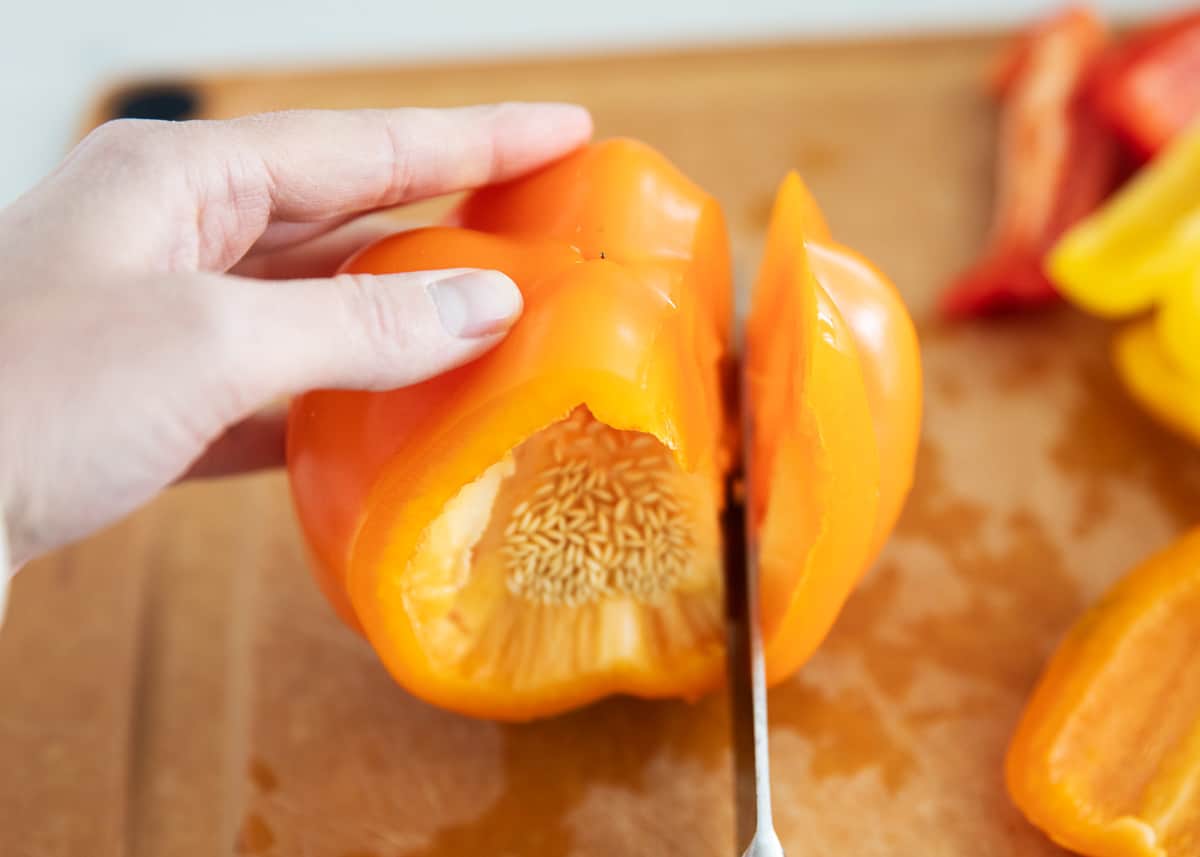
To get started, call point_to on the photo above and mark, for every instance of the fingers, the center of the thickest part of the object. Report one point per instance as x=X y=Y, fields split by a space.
x=256 y=443
x=317 y=257
x=356 y=331
x=205 y=191
x=322 y=164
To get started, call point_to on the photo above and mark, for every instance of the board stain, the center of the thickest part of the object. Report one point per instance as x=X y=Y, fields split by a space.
x=1018 y=596
x=847 y=731
x=1108 y=441
x=814 y=157
x=1015 y=599
x=551 y=766
x=255 y=836
x=262 y=776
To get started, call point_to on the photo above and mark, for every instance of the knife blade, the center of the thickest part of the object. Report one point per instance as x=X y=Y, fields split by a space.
x=755 y=827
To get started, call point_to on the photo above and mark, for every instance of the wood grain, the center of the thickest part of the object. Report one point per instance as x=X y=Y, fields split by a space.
x=178 y=687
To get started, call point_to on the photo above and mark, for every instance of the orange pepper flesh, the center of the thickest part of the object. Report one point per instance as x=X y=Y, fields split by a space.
x=1106 y=759
x=835 y=392
x=624 y=267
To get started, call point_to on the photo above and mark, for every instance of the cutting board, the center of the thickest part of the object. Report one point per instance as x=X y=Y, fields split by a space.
x=177 y=686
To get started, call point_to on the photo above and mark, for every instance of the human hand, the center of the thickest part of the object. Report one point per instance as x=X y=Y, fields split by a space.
x=129 y=357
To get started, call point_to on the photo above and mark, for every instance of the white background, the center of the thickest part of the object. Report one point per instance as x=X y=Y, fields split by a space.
x=55 y=53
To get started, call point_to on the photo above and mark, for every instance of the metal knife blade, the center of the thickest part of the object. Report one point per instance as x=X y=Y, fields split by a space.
x=755 y=828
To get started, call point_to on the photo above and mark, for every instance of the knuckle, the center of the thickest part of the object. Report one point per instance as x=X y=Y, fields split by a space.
x=373 y=313
x=126 y=139
x=404 y=167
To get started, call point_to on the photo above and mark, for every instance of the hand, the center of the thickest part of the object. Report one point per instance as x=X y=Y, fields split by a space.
x=129 y=358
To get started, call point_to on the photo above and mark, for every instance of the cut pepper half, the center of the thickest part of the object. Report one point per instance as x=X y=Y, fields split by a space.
x=1106 y=759
x=539 y=528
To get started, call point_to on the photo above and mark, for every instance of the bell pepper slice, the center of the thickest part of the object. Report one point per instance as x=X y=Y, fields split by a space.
x=1054 y=164
x=1141 y=253
x=834 y=385
x=1106 y=759
x=1146 y=89
x=539 y=528
x=1124 y=258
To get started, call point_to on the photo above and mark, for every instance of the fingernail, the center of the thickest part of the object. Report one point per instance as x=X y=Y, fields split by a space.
x=477 y=303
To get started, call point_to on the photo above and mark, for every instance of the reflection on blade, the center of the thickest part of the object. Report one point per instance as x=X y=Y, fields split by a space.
x=747 y=679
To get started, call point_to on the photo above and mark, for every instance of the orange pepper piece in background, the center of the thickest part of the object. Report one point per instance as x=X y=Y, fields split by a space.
x=834 y=379
x=1106 y=759
x=539 y=528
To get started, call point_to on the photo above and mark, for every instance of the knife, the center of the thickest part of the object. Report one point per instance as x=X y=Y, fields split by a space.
x=755 y=828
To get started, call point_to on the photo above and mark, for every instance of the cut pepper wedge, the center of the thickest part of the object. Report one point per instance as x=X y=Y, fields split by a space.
x=834 y=380
x=1127 y=256
x=1141 y=253
x=539 y=528
x=1054 y=164
x=1146 y=89
x=1106 y=759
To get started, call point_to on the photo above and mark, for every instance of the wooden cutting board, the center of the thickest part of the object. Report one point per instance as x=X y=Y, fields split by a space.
x=176 y=685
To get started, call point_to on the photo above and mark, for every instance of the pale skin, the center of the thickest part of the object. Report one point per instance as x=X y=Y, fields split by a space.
x=169 y=281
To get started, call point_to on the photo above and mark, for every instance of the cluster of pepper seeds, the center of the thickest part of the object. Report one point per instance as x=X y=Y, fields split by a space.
x=602 y=521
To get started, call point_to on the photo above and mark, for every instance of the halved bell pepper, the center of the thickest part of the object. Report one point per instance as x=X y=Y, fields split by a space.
x=539 y=528
x=1141 y=253
x=1054 y=164
x=1148 y=89
x=1106 y=759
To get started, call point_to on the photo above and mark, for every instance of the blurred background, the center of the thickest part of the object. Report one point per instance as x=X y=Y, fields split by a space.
x=54 y=56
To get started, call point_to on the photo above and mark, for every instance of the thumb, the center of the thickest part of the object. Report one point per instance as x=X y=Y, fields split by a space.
x=359 y=331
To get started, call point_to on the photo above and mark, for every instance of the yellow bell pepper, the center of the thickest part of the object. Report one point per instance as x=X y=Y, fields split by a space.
x=1141 y=254
x=1106 y=759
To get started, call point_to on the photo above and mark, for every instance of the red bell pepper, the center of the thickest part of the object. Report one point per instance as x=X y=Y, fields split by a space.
x=1054 y=163
x=1148 y=89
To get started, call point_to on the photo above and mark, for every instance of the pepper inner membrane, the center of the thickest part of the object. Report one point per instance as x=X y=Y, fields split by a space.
x=585 y=549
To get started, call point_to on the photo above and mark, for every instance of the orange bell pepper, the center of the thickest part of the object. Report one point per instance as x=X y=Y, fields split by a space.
x=539 y=528
x=1106 y=759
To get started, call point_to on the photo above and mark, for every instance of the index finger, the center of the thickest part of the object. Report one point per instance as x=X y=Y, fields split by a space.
x=225 y=181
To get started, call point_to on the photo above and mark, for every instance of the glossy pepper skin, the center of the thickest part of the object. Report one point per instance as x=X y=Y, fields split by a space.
x=1106 y=759
x=1140 y=254
x=1054 y=164
x=834 y=376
